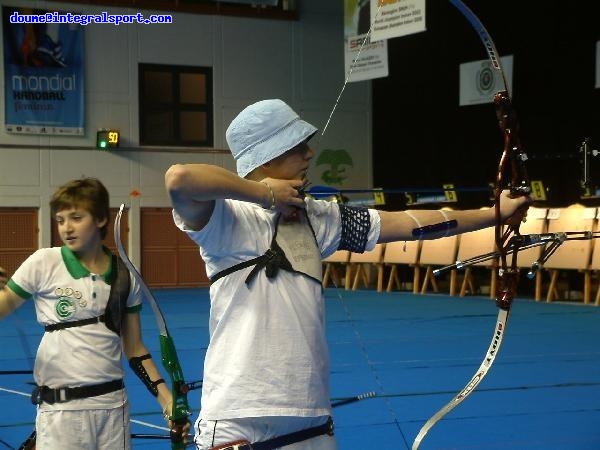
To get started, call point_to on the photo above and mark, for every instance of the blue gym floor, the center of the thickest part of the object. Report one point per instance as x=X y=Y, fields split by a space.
x=415 y=351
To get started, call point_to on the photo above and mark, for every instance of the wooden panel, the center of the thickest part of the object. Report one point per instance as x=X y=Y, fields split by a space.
x=169 y=257
x=19 y=236
x=191 y=268
x=158 y=229
x=158 y=266
x=19 y=228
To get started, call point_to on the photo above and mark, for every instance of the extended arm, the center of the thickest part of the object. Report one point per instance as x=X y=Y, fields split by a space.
x=399 y=225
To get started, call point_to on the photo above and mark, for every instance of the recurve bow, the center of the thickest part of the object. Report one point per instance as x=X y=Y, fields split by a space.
x=180 y=409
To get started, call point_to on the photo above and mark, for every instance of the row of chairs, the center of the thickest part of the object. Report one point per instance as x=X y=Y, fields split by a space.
x=355 y=269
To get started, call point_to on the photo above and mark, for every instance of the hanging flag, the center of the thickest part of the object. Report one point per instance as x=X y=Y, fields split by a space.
x=364 y=59
x=479 y=81
x=43 y=73
x=397 y=18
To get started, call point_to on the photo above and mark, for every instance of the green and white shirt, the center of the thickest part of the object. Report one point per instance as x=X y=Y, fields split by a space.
x=65 y=291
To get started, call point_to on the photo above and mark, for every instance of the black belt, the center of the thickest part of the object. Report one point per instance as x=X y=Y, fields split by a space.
x=74 y=323
x=45 y=394
x=286 y=439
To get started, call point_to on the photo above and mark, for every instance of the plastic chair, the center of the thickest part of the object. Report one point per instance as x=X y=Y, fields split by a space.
x=402 y=254
x=473 y=244
x=573 y=254
x=332 y=264
x=361 y=263
x=435 y=253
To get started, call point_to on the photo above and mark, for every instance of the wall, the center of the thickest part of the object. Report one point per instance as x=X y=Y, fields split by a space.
x=298 y=61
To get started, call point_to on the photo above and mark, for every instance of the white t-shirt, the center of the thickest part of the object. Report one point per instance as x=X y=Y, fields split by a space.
x=65 y=291
x=268 y=353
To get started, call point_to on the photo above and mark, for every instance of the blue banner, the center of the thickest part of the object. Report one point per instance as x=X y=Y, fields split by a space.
x=43 y=73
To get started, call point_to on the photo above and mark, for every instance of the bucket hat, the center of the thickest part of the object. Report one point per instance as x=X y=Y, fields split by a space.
x=263 y=131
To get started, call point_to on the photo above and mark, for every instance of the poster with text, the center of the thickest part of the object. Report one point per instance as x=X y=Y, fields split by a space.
x=43 y=73
x=364 y=59
x=479 y=81
x=395 y=18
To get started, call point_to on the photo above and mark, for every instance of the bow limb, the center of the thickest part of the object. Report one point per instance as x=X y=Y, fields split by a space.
x=512 y=160
x=180 y=409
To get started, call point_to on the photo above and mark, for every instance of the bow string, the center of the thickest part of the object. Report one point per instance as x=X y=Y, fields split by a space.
x=180 y=410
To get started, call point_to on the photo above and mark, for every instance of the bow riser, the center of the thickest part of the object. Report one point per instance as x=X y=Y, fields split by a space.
x=507 y=121
x=180 y=408
x=513 y=156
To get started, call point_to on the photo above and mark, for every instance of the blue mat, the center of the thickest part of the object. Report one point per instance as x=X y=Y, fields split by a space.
x=415 y=351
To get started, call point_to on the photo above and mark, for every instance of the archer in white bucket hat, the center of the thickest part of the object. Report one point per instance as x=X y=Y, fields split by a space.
x=266 y=377
x=263 y=131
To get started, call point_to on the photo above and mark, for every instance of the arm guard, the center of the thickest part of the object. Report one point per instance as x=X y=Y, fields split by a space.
x=138 y=368
x=356 y=223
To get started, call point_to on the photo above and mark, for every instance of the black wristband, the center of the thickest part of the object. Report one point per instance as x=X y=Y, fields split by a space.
x=138 y=368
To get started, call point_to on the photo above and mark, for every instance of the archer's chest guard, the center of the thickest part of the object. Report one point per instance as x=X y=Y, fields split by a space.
x=115 y=307
x=293 y=248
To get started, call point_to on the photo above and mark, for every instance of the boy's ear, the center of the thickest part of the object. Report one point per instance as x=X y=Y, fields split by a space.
x=102 y=222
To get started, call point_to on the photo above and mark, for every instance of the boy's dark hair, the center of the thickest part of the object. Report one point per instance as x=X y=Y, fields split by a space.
x=86 y=193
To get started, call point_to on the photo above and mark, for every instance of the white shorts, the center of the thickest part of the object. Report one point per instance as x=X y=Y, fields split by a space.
x=210 y=433
x=93 y=429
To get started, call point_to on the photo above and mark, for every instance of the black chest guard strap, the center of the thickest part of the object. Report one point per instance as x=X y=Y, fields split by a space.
x=117 y=300
x=271 y=261
x=115 y=307
x=275 y=257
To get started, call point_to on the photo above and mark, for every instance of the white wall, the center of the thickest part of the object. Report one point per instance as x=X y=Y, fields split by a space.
x=300 y=62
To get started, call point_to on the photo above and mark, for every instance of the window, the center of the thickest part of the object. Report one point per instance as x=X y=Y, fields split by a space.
x=176 y=105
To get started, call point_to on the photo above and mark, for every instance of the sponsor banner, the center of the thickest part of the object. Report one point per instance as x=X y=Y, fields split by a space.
x=43 y=75
x=362 y=62
x=395 y=18
x=370 y=62
x=479 y=81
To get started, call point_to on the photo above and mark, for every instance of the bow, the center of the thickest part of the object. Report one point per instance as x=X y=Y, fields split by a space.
x=513 y=157
x=180 y=409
